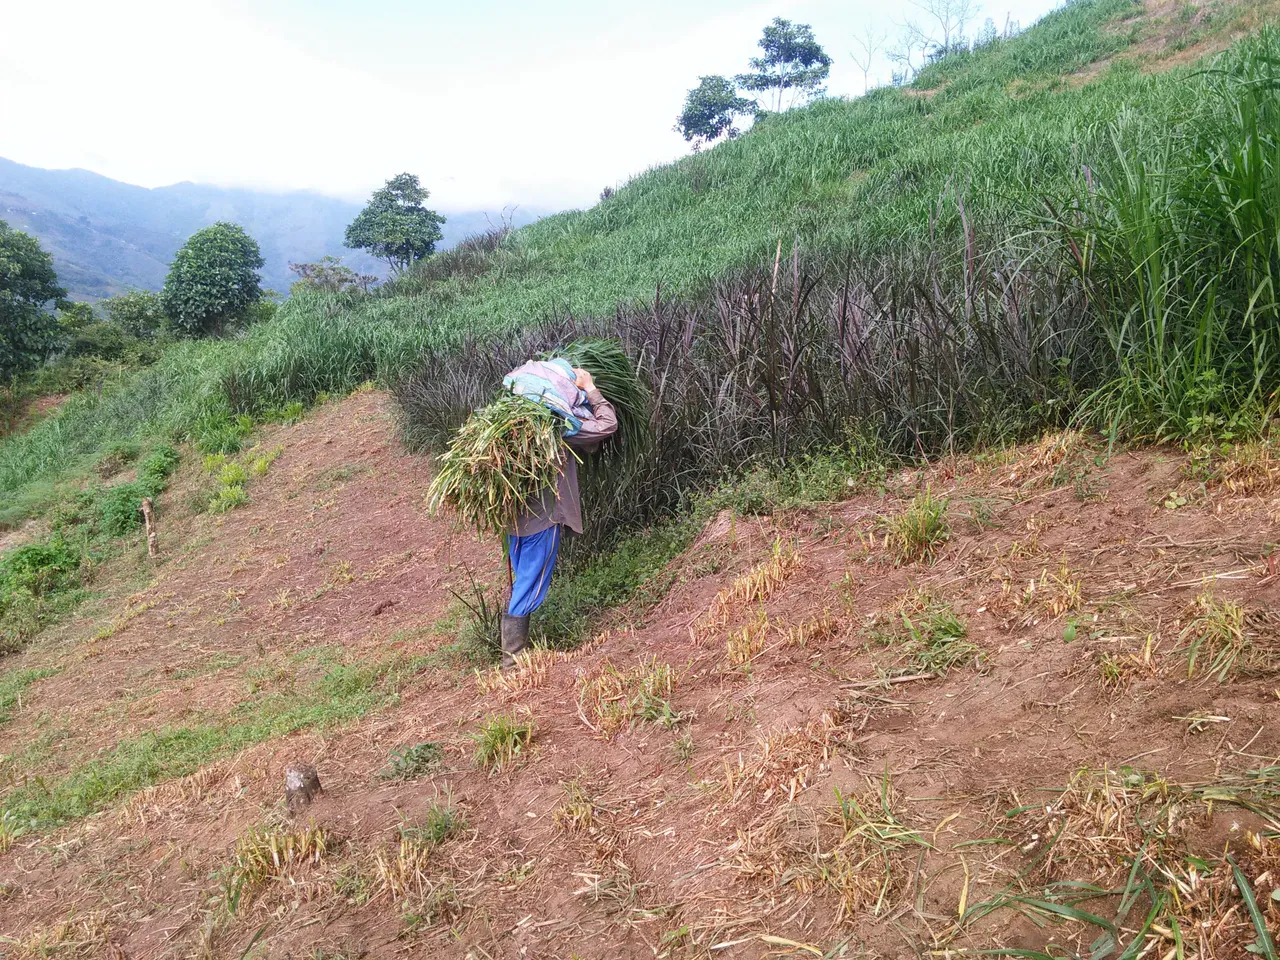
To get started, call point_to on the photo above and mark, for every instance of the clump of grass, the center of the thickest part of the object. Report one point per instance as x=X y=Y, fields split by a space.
x=754 y=587
x=869 y=865
x=919 y=531
x=10 y=830
x=79 y=937
x=440 y=822
x=578 y=811
x=228 y=498
x=746 y=643
x=533 y=667
x=265 y=854
x=611 y=698
x=501 y=739
x=1111 y=671
x=411 y=762
x=1219 y=636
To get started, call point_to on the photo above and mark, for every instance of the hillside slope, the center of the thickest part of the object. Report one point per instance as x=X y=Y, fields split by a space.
x=797 y=742
x=886 y=200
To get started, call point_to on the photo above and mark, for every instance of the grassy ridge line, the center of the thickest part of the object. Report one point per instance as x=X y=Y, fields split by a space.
x=864 y=175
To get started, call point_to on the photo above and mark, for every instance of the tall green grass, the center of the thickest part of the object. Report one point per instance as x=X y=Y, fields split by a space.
x=1177 y=234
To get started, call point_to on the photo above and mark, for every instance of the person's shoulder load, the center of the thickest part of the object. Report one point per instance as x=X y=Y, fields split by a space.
x=553 y=384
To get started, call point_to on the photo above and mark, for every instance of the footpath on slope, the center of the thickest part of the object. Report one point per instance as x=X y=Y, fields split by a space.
x=807 y=746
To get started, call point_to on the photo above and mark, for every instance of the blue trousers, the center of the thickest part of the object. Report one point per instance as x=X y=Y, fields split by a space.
x=532 y=560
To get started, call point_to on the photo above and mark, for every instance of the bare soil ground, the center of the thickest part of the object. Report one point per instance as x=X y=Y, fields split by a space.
x=811 y=746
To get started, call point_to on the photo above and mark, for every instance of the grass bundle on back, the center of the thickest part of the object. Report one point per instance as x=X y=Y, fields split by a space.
x=499 y=460
x=619 y=381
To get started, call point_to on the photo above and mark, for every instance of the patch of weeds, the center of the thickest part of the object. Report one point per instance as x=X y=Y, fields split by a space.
x=612 y=698
x=981 y=513
x=684 y=747
x=481 y=625
x=1111 y=671
x=262 y=855
x=633 y=572
x=409 y=763
x=440 y=822
x=221 y=432
x=822 y=477
x=1220 y=639
x=501 y=740
x=932 y=638
x=353 y=886
x=1125 y=833
x=919 y=531
x=439 y=904
x=115 y=458
x=12 y=685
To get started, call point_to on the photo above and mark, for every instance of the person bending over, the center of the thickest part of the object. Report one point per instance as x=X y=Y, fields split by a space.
x=533 y=544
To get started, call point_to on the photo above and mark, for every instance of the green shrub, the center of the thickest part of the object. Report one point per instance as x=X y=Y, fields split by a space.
x=232 y=475
x=228 y=498
x=120 y=509
x=40 y=568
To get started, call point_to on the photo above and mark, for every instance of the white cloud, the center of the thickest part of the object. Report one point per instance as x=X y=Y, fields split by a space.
x=155 y=92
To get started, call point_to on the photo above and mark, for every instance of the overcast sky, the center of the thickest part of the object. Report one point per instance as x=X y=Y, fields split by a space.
x=489 y=102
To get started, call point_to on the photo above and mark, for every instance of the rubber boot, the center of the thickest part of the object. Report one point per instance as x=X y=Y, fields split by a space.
x=515 y=638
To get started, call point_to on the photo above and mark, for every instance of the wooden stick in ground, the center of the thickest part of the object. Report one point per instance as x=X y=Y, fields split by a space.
x=153 y=538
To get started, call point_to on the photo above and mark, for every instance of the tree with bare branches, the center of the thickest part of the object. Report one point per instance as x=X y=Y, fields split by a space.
x=870 y=42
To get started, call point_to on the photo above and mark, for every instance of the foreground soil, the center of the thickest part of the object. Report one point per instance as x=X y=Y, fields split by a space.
x=815 y=743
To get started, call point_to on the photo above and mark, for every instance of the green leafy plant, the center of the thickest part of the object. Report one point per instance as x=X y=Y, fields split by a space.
x=918 y=532
x=214 y=279
x=500 y=740
x=411 y=762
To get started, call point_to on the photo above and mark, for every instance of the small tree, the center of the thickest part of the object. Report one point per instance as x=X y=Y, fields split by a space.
x=138 y=313
x=28 y=284
x=329 y=275
x=213 y=279
x=793 y=61
x=947 y=21
x=395 y=227
x=869 y=43
x=710 y=110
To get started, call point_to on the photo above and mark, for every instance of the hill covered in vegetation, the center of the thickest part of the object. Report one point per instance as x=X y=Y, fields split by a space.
x=1073 y=222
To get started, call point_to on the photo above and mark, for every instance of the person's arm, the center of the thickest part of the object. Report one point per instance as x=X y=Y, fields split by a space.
x=603 y=422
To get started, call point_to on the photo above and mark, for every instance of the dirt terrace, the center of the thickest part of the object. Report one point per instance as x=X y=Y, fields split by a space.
x=782 y=757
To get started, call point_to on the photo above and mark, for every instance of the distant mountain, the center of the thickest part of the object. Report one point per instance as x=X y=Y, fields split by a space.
x=107 y=236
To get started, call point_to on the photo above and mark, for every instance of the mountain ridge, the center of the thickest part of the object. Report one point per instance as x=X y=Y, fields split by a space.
x=107 y=236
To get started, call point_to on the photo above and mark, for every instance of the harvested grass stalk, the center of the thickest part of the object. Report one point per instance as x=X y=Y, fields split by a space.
x=499 y=460
x=619 y=381
x=508 y=452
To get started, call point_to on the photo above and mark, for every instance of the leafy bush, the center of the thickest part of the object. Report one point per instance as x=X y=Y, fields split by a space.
x=228 y=498
x=40 y=568
x=213 y=280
